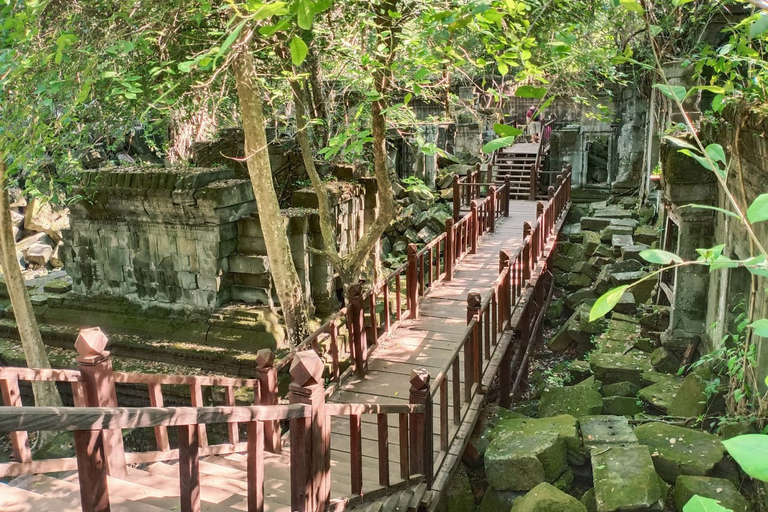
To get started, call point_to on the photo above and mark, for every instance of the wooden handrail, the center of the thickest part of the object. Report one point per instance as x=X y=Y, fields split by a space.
x=103 y=418
x=37 y=374
x=201 y=380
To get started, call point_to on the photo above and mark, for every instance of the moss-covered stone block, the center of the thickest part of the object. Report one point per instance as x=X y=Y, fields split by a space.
x=625 y=479
x=622 y=406
x=547 y=498
x=612 y=368
x=681 y=451
x=719 y=489
x=458 y=496
x=519 y=463
x=574 y=400
x=627 y=389
x=660 y=394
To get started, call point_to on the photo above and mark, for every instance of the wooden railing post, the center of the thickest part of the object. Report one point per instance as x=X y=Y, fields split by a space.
x=92 y=470
x=310 y=437
x=505 y=290
x=456 y=198
x=474 y=303
x=474 y=221
x=95 y=365
x=492 y=209
x=507 y=192
x=356 y=328
x=189 y=468
x=489 y=173
x=450 y=249
x=266 y=374
x=534 y=180
x=412 y=281
x=11 y=396
x=526 y=253
x=420 y=428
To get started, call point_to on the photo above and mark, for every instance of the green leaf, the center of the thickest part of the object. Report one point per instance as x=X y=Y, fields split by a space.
x=751 y=452
x=529 y=91
x=716 y=152
x=714 y=89
x=760 y=327
x=495 y=144
x=759 y=27
x=607 y=302
x=674 y=92
x=504 y=130
x=681 y=143
x=268 y=30
x=705 y=163
x=758 y=210
x=660 y=257
x=230 y=39
x=708 y=207
x=632 y=6
x=678 y=3
x=299 y=51
x=718 y=103
x=701 y=504
x=503 y=68
x=408 y=98
x=305 y=14
x=262 y=10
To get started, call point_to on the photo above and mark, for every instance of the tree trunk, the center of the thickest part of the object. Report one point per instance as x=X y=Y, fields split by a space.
x=45 y=393
x=283 y=270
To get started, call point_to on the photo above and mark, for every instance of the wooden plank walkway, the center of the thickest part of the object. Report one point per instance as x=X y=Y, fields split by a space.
x=427 y=342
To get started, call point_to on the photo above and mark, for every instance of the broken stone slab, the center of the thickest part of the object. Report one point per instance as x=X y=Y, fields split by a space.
x=576 y=330
x=590 y=242
x=576 y=252
x=619 y=242
x=690 y=401
x=40 y=216
x=625 y=479
x=588 y=500
x=626 y=304
x=660 y=394
x=665 y=361
x=564 y=263
x=627 y=389
x=573 y=233
x=647 y=235
x=594 y=223
x=565 y=426
x=579 y=370
x=600 y=431
x=612 y=213
x=622 y=406
x=678 y=340
x=625 y=266
x=520 y=463
x=619 y=278
x=547 y=498
x=720 y=489
x=583 y=296
x=578 y=281
x=57 y=286
x=38 y=254
x=576 y=401
x=612 y=368
x=584 y=268
x=632 y=252
x=681 y=451
x=607 y=234
x=629 y=223
x=655 y=319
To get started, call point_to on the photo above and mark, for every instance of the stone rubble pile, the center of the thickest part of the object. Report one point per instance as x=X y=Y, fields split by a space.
x=597 y=444
x=37 y=229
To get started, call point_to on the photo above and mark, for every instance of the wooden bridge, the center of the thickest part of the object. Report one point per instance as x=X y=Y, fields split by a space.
x=425 y=344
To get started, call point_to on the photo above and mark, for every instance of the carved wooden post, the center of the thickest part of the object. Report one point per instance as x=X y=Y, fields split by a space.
x=92 y=470
x=189 y=468
x=266 y=374
x=489 y=173
x=507 y=192
x=95 y=366
x=420 y=428
x=474 y=302
x=450 y=249
x=534 y=179
x=492 y=209
x=11 y=396
x=526 y=253
x=412 y=281
x=473 y=227
x=356 y=327
x=505 y=299
x=456 y=198
x=310 y=437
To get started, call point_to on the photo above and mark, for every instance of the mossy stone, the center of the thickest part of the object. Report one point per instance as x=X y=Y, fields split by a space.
x=547 y=498
x=496 y=501
x=720 y=489
x=625 y=479
x=458 y=497
x=588 y=500
x=519 y=463
x=612 y=368
x=621 y=406
x=574 y=400
x=681 y=451
x=628 y=389
x=690 y=401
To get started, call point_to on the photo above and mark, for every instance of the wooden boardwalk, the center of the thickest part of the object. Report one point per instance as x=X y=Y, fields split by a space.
x=427 y=342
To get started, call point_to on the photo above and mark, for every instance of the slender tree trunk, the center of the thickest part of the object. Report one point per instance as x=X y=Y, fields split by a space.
x=283 y=270
x=45 y=393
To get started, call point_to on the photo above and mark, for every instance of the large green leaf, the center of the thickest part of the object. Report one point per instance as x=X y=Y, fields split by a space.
x=305 y=14
x=674 y=92
x=758 y=210
x=230 y=39
x=751 y=452
x=706 y=163
x=716 y=153
x=680 y=143
x=495 y=144
x=633 y=6
x=760 y=327
x=299 y=51
x=701 y=504
x=505 y=130
x=660 y=257
x=607 y=302
x=529 y=91
x=759 y=27
x=678 y=3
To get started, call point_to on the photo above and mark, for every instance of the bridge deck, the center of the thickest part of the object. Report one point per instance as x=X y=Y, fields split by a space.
x=428 y=342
